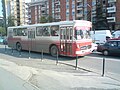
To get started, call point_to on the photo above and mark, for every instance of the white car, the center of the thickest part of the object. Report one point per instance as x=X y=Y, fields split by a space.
x=94 y=47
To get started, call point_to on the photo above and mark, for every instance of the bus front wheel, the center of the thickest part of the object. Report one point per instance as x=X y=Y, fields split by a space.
x=18 y=47
x=54 y=50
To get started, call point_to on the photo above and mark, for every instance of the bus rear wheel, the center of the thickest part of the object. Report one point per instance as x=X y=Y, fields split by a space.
x=18 y=47
x=54 y=50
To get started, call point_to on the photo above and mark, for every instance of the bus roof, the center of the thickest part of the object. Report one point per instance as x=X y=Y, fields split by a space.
x=76 y=22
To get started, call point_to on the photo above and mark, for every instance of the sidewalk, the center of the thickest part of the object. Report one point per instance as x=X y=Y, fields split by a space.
x=60 y=77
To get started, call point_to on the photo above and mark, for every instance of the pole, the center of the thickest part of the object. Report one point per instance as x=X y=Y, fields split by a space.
x=12 y=49
x=29 y=53
x=5 y=49
x=42 y=55
x=103 y=70
x=57 y=58
x=76 y=67
x=20 y=53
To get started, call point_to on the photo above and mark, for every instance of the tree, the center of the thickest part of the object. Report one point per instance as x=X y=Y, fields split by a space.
x=101 y=20
x=11 y=21
x=1 y=23
x=50 y=19
x=4 y=15
x=2 y=31
x=43 y=19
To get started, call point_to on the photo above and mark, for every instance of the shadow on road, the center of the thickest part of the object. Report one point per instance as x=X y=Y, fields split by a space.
x=34 y=55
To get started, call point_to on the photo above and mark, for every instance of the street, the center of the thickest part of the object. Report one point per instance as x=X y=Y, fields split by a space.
x=63 y=76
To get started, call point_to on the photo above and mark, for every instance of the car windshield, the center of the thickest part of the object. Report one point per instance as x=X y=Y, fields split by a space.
x=82 y=34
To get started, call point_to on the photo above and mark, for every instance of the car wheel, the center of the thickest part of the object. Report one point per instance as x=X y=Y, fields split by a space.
x=106 y=52
x=18 y=47
x=53 y=50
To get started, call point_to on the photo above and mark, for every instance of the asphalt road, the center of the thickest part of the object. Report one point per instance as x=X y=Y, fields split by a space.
x=92 y=62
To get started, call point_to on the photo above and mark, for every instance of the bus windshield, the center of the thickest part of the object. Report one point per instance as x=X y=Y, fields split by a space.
x=82 y=34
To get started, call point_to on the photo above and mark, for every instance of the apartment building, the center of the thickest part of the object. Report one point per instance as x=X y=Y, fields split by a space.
x=36 y=10
x=61 y=10
x=111 y=10
x=16 y=8
x=113 y=14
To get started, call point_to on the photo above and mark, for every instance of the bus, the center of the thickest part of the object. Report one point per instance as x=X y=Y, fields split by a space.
x=67 y=38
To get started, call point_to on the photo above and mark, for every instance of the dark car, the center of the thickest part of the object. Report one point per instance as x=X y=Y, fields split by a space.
x=5 y=41
x=1 y=39
x=110 y=47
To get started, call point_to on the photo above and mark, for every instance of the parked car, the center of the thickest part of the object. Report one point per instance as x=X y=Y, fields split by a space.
x=94 y=47
x=110 y=47
x=5 y=41
x=1 y=39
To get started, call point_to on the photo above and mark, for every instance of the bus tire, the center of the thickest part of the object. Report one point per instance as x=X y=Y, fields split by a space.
x=18 y=47
x=54 y=50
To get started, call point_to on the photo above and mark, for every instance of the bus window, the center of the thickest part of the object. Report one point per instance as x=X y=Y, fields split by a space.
x=20 y=32
x=14 y=32
x=24 y=32
x=46 y=31
x=10 y=33
x=55 y=30
x=39 y=31
x=82 y=34
x=31 y=34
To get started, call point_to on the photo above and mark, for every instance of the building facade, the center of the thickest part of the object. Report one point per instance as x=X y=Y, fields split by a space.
x=113 y=14
x=16 y=8
x=62 y=10
x=59 y=10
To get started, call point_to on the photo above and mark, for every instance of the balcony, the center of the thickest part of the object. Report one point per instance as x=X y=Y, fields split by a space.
x=57 y=10
x=111 y=9
x=79 y=15
x=111 y=19
x=58 y=3
x=43 y=8
x=79 y=0
x=79 y=8
x=111 y=1
x=57 y=17
x=29 y=16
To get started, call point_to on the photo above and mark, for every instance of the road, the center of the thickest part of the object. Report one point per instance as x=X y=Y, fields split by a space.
x=92 y=62
x=59 y=77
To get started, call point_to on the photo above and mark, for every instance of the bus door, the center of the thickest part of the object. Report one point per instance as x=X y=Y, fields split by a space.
x=31 y=39
x=66 y=40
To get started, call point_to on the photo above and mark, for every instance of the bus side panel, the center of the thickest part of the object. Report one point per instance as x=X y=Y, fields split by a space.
x=12 y=42
x=43 y=43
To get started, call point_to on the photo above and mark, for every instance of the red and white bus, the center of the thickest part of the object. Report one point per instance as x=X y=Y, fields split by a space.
x=68 y=38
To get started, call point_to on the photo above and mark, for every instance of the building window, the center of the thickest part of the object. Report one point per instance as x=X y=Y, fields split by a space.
x=67 y=6
x=73 y=13
x=73 y=5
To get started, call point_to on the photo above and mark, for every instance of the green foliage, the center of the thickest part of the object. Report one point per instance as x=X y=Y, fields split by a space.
x=43 y=19
x=1 y=24
x=50 y=19
x=2 y=31
x=11 y=19
x=101 y=20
